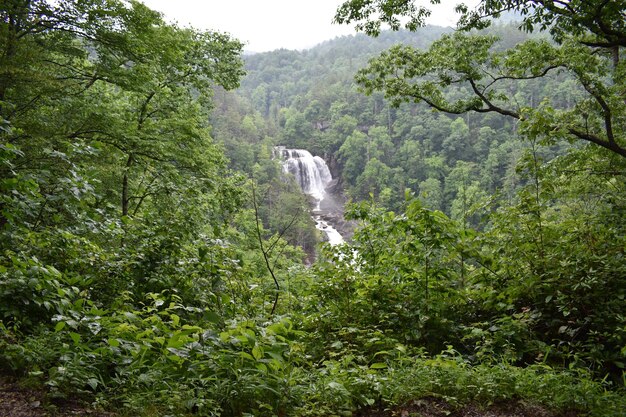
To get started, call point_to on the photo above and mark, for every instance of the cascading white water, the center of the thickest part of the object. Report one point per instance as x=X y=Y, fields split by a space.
x=334 y=237
x=310 y=171
x=313 y=175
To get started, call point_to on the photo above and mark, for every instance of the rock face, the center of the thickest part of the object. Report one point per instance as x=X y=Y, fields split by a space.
x=315 y=179
x=332 y=210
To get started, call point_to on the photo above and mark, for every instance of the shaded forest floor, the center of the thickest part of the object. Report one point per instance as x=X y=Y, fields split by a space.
x=18 y=401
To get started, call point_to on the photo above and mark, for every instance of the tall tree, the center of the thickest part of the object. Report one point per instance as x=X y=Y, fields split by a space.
x=105 y=137
x=587 y=39
x=111 y=76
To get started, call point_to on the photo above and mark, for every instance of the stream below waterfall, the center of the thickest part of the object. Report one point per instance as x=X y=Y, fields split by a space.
x=313 y=176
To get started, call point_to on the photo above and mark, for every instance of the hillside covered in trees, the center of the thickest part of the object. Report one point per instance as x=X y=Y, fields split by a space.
x=157 y=260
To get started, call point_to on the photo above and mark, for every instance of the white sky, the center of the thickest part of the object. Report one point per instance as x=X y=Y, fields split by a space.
x=265 y=25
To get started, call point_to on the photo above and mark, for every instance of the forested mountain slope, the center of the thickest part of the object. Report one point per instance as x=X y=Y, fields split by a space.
x=310 y=100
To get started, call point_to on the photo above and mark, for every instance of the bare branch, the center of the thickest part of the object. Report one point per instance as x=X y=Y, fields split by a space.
x=490 y=105
x=280 y=235
x=263 y=251
x=529 y=77
x=612 y=146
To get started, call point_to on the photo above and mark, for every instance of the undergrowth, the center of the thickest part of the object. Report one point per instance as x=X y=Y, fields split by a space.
x=142 y=365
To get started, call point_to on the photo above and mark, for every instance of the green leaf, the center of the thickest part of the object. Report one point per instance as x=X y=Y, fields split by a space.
x=257 y=352
x=93 y=383
x=59 y=326
x=336 y=386
x=336 y=345
x=176 y=341
x=211 y=316
x=75 y=337
x=378 y=365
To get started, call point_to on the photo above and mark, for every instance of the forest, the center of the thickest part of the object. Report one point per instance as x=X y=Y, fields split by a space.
x=157 y=259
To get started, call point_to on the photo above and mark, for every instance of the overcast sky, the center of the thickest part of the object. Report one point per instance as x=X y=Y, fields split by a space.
x=265 y=25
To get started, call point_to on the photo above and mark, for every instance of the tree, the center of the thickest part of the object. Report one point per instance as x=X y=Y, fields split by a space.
x=431 y=193
x=410 y=157
x=353 y=155
x=457 y=146
x=403 y=279
x=389 y=12
x=106 y=152
x=604 y=19
x=298 y=130
x=587 y=39
x=113 y=75
x=375 y=178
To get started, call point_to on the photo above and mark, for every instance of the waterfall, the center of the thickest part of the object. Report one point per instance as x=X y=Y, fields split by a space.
x=313 y=176
x=310 y=171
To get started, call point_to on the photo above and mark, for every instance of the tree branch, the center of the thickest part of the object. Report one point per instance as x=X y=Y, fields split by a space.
x=490 y=105
x=608 y=123
x=263 y=251
x=280 y=235
x=612 y=146
x=529 y=77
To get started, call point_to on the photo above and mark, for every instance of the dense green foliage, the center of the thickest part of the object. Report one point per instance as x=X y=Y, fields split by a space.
x=155 y=260
x=122 y=225
x=452 y=162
